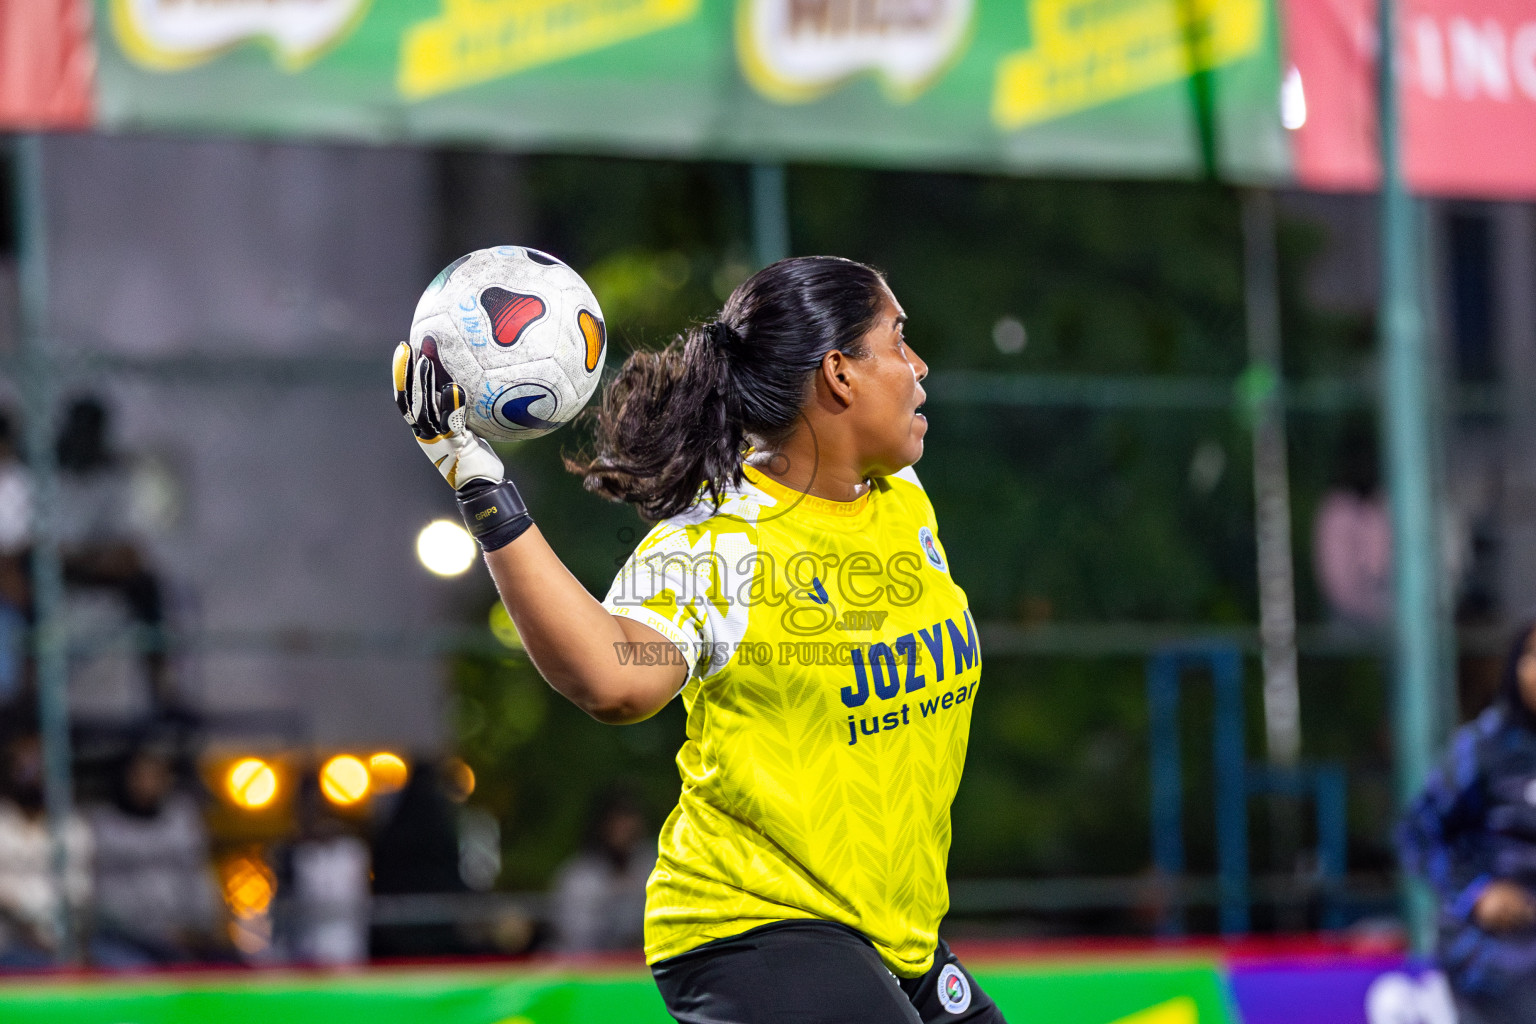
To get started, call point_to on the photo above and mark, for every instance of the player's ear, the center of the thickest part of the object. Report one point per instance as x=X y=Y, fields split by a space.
x=837 y=374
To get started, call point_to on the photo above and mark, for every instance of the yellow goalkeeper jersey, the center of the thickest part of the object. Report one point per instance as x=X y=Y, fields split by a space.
x=835 y=665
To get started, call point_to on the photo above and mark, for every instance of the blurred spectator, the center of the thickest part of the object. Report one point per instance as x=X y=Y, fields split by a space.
x=1352 y=537
x=156 y=898
x=1472 y=835
x=598 y=901
x=30 y=900
x=15 y=493
x=417 y=851
x=326 y=899
x=95 y=538
x=15 y=582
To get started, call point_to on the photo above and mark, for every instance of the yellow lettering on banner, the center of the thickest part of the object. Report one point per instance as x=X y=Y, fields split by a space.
x=474 y=41
x=1088 y=52
x=1175 y=1011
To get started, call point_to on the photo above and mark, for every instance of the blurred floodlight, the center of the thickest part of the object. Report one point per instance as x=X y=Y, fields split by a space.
x=388 y=771
x=249 y=886
x=251 y=783
x=1008 y=335
x=730 y=274
x=344 y=780
x=479 y=848
x=445 y=547
x=252 y=935
x=460 y=778
x=673 y=270
x=1293 y=100
x=1207 y=466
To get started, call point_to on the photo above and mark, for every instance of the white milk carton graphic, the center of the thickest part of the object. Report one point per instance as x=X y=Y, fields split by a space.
x=794 y=51
x=172 y=34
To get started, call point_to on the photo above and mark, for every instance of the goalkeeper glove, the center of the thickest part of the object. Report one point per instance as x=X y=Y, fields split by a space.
x=435 y=407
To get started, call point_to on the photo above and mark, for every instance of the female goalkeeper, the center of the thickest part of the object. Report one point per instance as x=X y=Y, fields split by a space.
x=795 y=593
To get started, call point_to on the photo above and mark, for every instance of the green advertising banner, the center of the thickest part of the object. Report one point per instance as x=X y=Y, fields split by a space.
x=1099 y=993
x=1136 y=87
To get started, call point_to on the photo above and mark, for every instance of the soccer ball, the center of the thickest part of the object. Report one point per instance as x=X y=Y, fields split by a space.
x=522 y=334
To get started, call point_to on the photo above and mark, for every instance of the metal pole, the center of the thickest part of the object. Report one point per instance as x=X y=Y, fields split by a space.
x=47 y=572
x=1332 y=839
x=1230 y=758
x=1265 y=393
x=1167 y=787
x=770 y=214
x=1271 y=482
x=1408 y=434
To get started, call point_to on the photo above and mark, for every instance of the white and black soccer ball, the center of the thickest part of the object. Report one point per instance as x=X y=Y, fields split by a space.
x=522 y=334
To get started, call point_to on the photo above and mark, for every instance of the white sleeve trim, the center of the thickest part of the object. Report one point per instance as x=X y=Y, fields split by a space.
x=686 y=645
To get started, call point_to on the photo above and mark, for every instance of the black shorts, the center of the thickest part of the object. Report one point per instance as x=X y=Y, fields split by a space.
x=814 y=972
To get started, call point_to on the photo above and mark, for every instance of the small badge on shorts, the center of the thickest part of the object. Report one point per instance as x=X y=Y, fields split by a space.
x=954 y=990
x=931 y=549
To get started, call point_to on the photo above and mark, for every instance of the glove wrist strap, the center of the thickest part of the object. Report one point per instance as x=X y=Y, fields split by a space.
x=494 y=514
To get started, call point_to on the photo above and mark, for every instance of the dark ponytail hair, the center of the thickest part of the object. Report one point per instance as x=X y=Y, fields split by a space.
x=674 y=425
x=1515 y=707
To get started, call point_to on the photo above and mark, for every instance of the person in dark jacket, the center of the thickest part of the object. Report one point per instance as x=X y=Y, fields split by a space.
x=1472 y=835
x=416 y=852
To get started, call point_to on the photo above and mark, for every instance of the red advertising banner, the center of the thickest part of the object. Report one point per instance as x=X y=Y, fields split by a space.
x=1468 y=88
x=1330 y=93
x=1469 y=96
x=47 y=64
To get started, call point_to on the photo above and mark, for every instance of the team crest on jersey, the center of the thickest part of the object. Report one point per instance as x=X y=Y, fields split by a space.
x=954 y=990
x=931 y=549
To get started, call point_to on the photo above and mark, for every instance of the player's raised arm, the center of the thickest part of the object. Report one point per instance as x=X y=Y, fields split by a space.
x=573 y=640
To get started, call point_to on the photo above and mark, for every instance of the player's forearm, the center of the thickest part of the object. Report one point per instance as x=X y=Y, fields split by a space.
x=571 y=638
x=565 y=631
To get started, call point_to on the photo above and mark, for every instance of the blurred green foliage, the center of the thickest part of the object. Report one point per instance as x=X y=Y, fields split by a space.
x=540 y=764
x=1047 y=514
